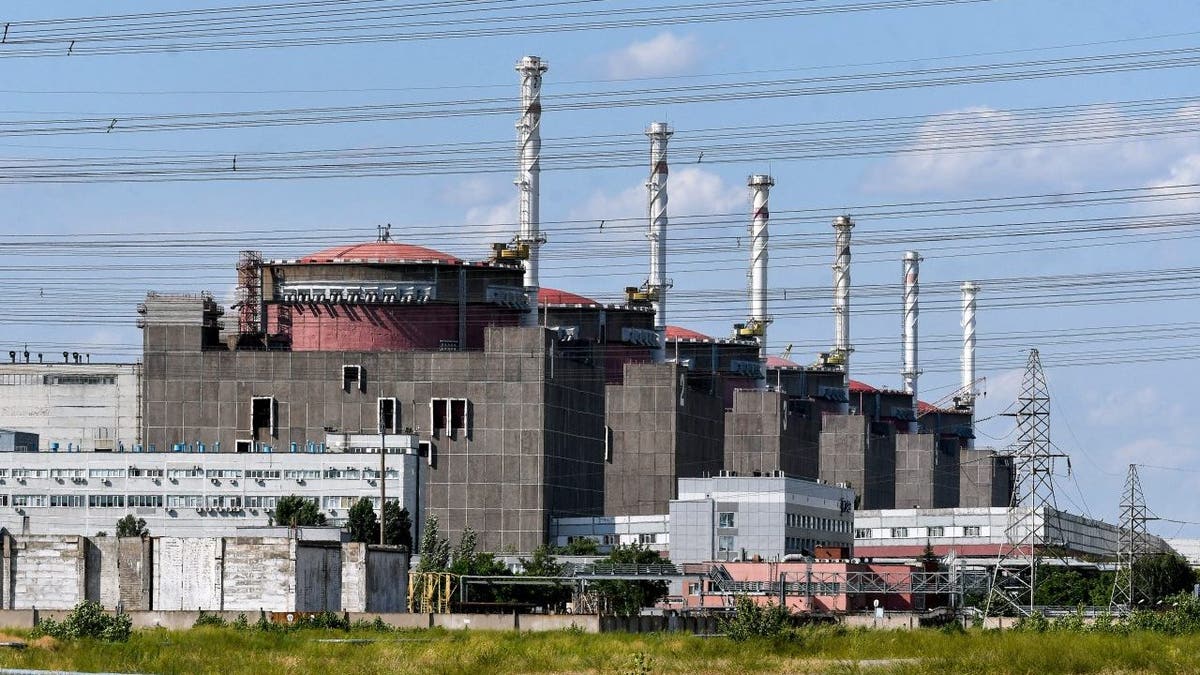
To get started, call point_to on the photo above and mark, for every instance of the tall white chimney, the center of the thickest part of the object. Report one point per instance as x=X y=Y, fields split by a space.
x=760 y=189
x=969 y=290
x=657 y=283
x=842 y=226
x=529 y=149
x=912 y=291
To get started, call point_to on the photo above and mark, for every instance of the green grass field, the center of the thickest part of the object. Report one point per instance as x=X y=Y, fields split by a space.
x=226 y=650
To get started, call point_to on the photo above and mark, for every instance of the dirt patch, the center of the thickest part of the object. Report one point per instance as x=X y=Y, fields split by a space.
x=45 y=642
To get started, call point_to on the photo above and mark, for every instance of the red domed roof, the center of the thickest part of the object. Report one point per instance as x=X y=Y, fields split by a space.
x=554 y=296
x=677 y=333
x=381 y=251
x=780 y=362
x=863 y=387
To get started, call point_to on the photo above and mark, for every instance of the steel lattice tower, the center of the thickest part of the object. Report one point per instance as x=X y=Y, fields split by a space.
x=1033 y=513
x=1133 y=544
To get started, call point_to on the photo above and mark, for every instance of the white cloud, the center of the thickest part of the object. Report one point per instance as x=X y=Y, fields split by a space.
x=664 y=54
x=1045 y=163
x=1185 y=171
x=690 y=191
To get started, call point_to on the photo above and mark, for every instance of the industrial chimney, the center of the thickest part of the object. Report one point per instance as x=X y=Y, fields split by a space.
x=656 y=283
x=968 y=394
x=760 y=188
x=912 y=291
x=842 y=226
x=529 y=148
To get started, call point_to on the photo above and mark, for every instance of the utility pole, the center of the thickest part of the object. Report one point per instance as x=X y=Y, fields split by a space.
x=1033 y=507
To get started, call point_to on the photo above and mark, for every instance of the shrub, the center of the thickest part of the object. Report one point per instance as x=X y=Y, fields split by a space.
x=1034 y=623
x=752 y=620
x=241 y=622
x=87 y=620
x=206 y=619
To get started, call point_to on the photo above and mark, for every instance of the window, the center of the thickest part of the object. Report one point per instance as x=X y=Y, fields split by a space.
x=106 y=501
x=862 y=533
x=342 y=502
x=262 y=474
x=972 y=531
x=66 y=473
x=243 y=446
x=106 y=473
x=261 y=501
x=29 y=473
x=223 y=501
x=263 y=415
x=352 y=378
x=936 y=531
x=899 y=532
x=448 y=414
x=189 y=472
x=184 y=501
x=610 y=540
x=223 y=473
x=349 y=473
x=136 y=472
x=301 y=474
x=67 y=501
x=29 y=500
x=80 y=379
x=693 y=588
x=372 y=474
x=645 y=538
x=389 y=416
x=725 y=520
x=145 y=501
x=725 y=544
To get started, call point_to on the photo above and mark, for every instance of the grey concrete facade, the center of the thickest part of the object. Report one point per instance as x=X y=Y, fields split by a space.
x=72 y=407
x=769 y=431
x=652 y=532
x=927 y=471
x=862 y=455
x=740 y=517
x=513 y=434
x=985 y=479
x=660 y=429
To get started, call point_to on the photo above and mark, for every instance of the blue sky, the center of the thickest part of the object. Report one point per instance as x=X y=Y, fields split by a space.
x=1116 y=408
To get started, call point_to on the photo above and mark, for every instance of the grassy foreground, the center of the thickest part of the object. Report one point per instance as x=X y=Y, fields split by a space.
x=227 y=650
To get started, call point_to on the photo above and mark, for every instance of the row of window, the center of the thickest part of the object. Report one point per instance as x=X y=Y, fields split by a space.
x=153 y=501
x=802 y=544
x=13 y=379
x=817 y=523
x=906 y=532
x=196 y=472
x=611 y=539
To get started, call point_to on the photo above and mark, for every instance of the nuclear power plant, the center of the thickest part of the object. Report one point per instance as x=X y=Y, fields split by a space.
x=521 y=411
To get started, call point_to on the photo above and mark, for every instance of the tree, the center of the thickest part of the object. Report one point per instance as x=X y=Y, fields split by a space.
x=543 y=564
x=580 y=546
x=1164 y=575
x=293 y=511
x=627 y=598
x=471 y=562
x=398 y=526
x=363 y=525
x=131 y=526
x=435 y=551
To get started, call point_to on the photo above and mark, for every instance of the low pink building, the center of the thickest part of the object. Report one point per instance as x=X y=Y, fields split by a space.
x=822 y=586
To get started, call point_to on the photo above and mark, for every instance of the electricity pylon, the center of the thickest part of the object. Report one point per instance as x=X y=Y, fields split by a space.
x=1033 y=508
x=1133 y=544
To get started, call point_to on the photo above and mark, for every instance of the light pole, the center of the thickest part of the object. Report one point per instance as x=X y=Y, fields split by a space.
x=382 y=483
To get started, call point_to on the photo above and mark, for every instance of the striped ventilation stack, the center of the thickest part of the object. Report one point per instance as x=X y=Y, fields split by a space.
x=529 y=148
x=657 y=283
